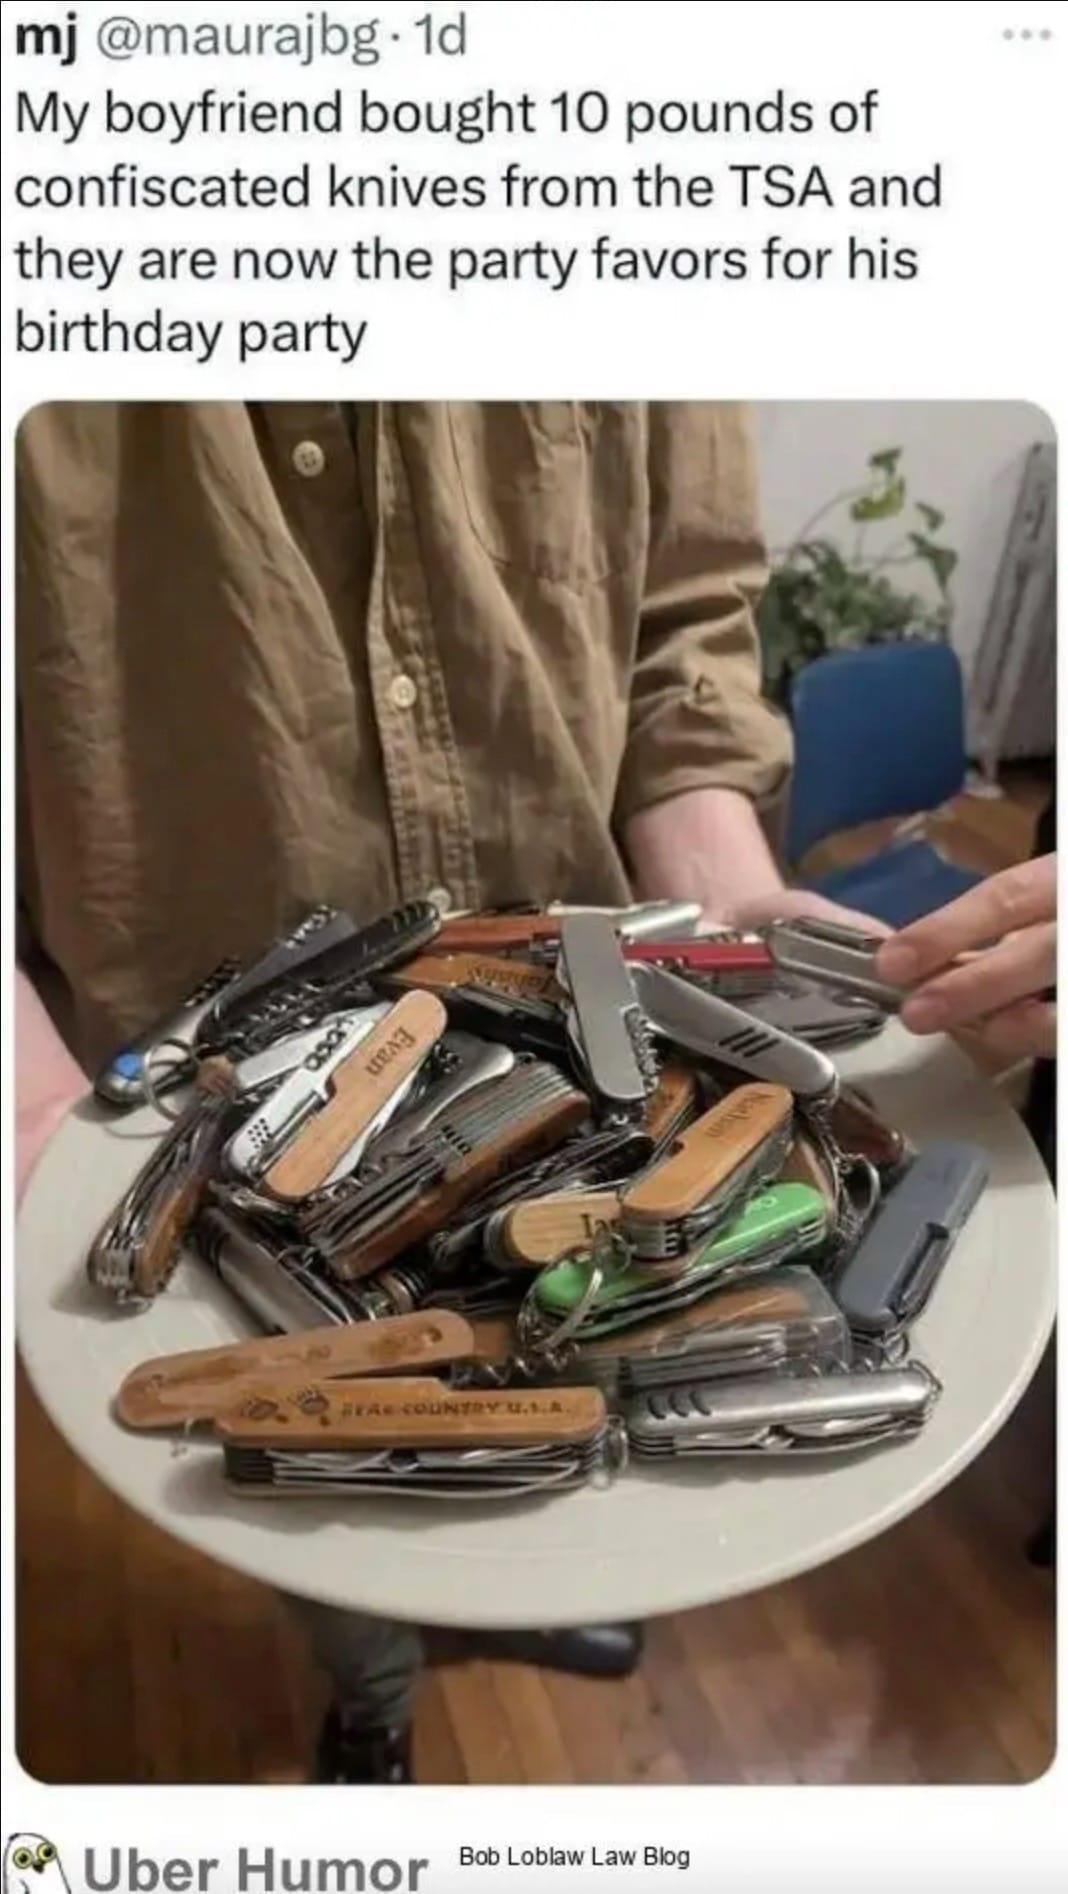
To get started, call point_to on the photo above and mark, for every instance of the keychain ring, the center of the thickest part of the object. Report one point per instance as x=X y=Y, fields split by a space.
x=151 y=1085
x=602 y=1268
x=859 y=1213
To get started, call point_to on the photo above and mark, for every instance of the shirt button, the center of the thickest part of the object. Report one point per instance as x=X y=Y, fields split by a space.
x=441 y=899
x=309 y=459
x=402 y=693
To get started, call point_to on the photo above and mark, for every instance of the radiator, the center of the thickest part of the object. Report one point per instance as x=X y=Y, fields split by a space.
x=1012 y=692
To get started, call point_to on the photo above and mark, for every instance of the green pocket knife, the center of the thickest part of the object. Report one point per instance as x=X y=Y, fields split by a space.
x=594 y=1296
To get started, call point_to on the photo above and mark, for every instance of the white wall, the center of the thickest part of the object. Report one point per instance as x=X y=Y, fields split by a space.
x=963 y=457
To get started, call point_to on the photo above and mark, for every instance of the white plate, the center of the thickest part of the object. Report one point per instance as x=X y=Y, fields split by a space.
x=654 y=1543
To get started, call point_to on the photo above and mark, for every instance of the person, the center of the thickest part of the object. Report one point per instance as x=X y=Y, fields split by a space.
x=1004 y=996
x=272 y=655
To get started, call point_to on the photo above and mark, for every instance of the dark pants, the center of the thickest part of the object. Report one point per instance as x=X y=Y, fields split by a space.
x=373 y=1663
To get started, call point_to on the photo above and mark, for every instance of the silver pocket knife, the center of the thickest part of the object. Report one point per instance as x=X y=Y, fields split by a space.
x=779 y=1415
x=605 y=1024
x=282 y=1292
x=480 y=1473
x=279 y=1117
x=350 y=1215
x=277 y=1061
x=463 y=1064
x=645 y=920
x=839 y=958
x=711 y=1028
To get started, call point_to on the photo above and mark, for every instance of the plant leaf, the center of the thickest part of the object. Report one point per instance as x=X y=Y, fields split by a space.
x=883 y=504
x=930 y=516
x=941 y=560
x=822 y=597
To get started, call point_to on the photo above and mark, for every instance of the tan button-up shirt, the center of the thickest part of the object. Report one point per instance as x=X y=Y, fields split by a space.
x=275 y=655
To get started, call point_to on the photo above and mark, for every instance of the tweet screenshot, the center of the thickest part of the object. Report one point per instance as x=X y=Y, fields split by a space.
x=530 y=963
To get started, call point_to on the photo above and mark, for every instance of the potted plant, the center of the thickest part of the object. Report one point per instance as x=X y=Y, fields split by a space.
x=822 y=597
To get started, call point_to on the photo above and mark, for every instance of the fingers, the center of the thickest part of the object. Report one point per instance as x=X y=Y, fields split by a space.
x=1019 y=897
x=1027 y=1031
x=1021 y=968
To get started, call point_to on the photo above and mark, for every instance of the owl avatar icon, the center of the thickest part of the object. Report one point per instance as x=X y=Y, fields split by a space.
x=32 y=1866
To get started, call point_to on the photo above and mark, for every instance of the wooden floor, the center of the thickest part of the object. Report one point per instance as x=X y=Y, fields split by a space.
x=925 y=1657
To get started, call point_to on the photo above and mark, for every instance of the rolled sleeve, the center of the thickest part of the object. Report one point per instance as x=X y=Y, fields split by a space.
x=697 y=716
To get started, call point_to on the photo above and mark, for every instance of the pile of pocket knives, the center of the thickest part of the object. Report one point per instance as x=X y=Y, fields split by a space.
x=514 y=1197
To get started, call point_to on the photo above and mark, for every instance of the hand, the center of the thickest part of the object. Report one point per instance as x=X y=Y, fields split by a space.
x=787 y=904
x=999 y=992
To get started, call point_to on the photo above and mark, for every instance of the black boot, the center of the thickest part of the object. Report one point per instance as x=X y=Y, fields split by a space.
x=350 y=1752
x=597 y=1650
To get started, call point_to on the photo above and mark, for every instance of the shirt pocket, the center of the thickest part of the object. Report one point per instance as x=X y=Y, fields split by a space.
x=554 y=489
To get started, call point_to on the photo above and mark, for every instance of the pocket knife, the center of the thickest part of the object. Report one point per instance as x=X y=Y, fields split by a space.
x=703 y=1182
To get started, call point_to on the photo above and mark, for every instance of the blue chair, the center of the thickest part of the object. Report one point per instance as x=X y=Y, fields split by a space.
x=879 y=732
